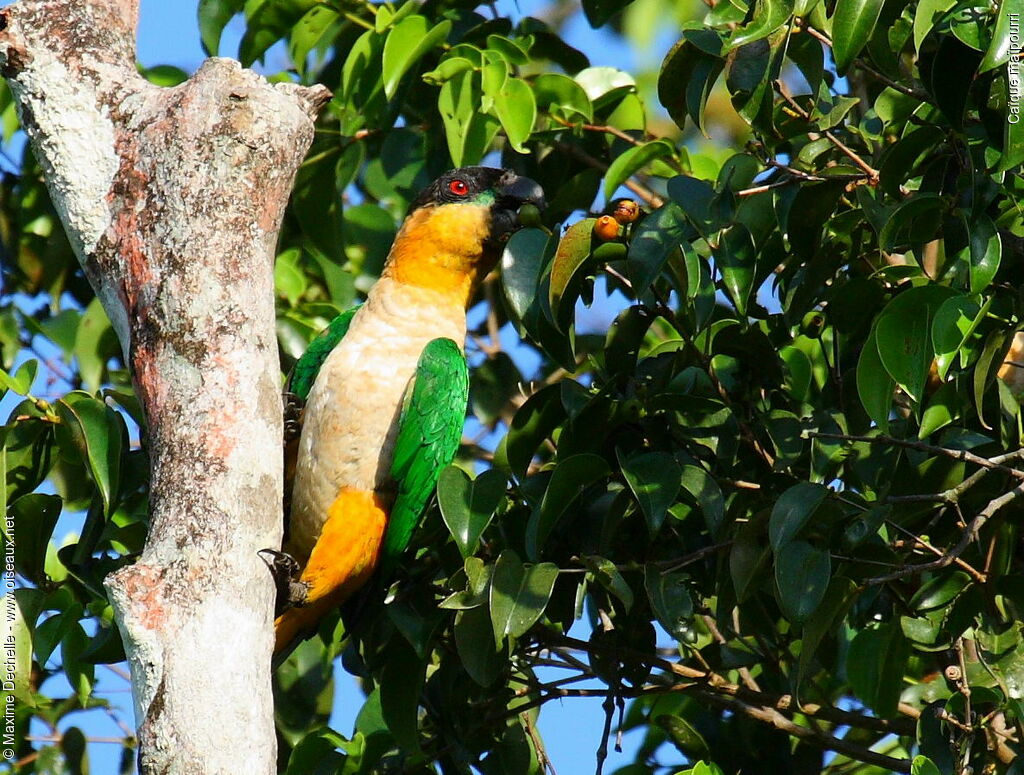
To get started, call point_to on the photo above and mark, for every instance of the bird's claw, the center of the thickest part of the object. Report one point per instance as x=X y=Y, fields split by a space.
x=292 y=406
x=291 y=591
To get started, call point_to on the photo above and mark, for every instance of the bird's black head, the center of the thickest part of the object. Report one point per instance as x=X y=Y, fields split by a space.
x=455 y=230
x=501 y=191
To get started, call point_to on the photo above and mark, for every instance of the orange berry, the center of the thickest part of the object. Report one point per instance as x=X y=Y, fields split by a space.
x=606 y=228
x=626 y=211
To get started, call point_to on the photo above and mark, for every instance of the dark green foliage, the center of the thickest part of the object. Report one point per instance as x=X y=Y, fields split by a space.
x=779 y=480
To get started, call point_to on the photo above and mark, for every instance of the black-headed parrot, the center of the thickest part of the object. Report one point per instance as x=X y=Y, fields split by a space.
x=385 y=388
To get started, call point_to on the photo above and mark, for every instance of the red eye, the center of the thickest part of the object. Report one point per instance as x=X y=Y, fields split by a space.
x=458 y=187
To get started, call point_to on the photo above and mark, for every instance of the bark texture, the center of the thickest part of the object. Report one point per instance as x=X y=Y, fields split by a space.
x=172 y=199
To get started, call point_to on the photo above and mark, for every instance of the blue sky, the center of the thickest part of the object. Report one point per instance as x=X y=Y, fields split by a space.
x=168 y=34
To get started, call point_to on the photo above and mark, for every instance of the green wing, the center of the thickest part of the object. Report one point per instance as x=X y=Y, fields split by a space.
x=303 y=375
x=429 y=431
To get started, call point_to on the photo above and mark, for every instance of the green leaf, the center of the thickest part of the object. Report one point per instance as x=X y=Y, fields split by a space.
x=939 y=591
x=519 y=595
x=534 y=422
x=1013 y=136
x=571 y=256
x=904 y=336
x=926 y=16
x=695 y=197
x=556 y=93
x=670 y=600
x=802 y=574
x=812 y=207
x=28 y=451
x=654 y=242
x=21 y=381
x=768 y=16
x=16 y=632
x=213 y=18
x=73 y=749
x=874 y=385
x=523 y=262
x=406 y=43
x=654 y=479
x=792 y=511
x=318 y=749
x=61 y=329
x=516 y=109
x=478 y=583
x=632 y=161
x=34 y=516
x=98 y=433
x=468 y=506
x=507 y=49
x=469 y=132
x=401 y=681
x=852 y=25
x=289 y=279
x=922 y=765
x=688 y=74
x=608 y=576
x=901 y=159
x=736 y=257
x=599 y=12
x=448 y=68
x=51 y=632
x=1000 y=49
x=683 y=736
x=474 y=640
x=705 y=491
x=568 y=481
x=984 y=252
x=955 y=321
x=941 y=410
x=702 y=768
x=991 y=353
x=80 y=673
x=308 y=32
x=875 y=664
x=839 y=597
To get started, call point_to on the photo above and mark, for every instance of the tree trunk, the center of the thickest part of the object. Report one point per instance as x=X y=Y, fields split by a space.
x=172 y=199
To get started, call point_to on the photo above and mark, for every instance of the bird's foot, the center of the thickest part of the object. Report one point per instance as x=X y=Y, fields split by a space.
x=293 y=406
x=291 y=592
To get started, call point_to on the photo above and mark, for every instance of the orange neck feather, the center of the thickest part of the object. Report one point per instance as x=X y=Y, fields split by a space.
x=442 y=249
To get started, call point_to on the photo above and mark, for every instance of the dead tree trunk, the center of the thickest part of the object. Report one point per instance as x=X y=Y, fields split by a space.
x=172 y=199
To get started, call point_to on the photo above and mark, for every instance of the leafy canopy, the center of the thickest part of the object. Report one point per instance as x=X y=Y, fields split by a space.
x=779 y=488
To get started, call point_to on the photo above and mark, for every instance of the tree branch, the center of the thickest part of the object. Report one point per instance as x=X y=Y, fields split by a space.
x=172 y=200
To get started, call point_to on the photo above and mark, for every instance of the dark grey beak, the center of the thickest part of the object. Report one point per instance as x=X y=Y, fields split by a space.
x=519 y=191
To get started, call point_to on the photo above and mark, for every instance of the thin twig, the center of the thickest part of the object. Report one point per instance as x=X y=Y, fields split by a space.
x=993 y=464
x=968 y=535
x=978 y=576
x=881 y=77
x=692 y=557
x=870 y=171
x=720 y=685
x=538 y=745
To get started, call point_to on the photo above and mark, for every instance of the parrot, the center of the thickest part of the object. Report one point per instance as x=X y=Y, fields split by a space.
x=383 y=393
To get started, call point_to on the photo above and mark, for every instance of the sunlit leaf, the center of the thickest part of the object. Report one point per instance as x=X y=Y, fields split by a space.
x=518 y=595
x=852 y=24
x=468 y=505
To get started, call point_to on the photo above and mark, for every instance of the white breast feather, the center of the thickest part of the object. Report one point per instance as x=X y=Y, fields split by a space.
x=351 y=415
